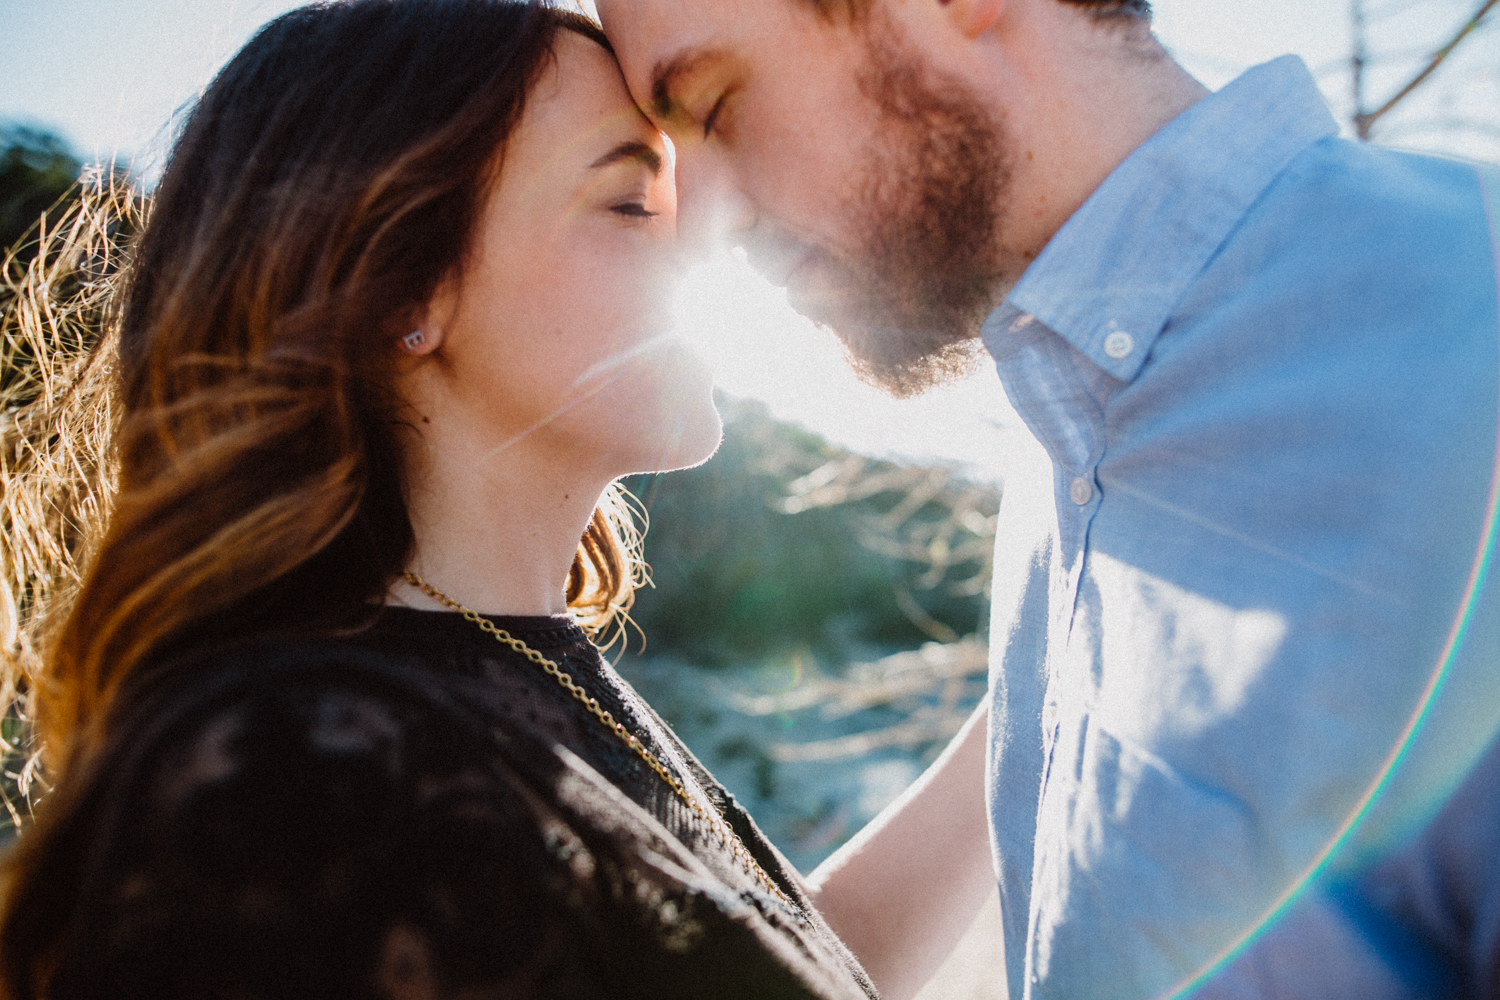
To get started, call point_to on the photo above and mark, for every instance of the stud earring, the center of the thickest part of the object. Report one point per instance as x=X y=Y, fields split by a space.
x=413 y=340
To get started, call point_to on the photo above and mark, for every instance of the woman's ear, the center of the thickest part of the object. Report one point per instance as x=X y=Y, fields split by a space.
x=426 y=328
x=973 y=17
x=418 y=342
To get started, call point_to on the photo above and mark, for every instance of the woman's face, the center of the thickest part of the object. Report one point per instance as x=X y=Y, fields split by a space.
x=556 y=340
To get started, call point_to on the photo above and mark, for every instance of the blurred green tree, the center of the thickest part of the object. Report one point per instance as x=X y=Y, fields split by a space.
x=37 y=170
x=783 y=542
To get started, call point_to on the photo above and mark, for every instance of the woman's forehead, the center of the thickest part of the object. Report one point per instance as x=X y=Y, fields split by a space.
x=580 y=103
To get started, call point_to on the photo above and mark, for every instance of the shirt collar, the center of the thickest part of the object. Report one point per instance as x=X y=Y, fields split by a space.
x=1110 y=278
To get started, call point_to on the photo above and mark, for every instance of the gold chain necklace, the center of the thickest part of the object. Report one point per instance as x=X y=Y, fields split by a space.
x=727 y=836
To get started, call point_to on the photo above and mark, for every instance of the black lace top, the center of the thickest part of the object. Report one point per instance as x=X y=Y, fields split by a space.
x=417 y=812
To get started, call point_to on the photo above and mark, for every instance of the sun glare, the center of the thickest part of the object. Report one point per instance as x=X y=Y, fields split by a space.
x=759 y=347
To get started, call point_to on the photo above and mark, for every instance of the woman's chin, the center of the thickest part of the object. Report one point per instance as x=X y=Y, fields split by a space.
x=687 y=427
x=689 y=437
x=660 y=418
x=707 y=436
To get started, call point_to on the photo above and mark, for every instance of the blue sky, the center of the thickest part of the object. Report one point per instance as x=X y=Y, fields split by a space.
x=109 y=74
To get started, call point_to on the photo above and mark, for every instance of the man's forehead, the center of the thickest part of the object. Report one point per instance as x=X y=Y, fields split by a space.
x=663 y=22
x=649 y=36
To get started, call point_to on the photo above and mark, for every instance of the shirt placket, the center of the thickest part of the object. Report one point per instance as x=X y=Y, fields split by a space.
x=1070 y=423
x=1077 y=499
x=1064 y=409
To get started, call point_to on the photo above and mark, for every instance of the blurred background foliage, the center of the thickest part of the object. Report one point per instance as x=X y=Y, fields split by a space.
x=783 y=541
x=37 y=170
x=815 y=627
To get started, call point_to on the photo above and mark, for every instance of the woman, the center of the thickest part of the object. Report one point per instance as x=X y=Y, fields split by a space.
x=321 y=715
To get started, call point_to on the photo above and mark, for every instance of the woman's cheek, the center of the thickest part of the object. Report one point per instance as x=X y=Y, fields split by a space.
x=624 y=291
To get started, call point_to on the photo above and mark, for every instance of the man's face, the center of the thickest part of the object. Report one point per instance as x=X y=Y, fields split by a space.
x=854 y=175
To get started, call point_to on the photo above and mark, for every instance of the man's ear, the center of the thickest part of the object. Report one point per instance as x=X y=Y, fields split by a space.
x=973 y=17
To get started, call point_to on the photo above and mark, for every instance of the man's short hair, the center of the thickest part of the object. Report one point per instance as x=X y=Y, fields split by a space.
x=1109 y=9
x=1104 y=10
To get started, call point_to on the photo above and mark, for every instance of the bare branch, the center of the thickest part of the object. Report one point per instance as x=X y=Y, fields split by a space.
x=931 y=687
x=1357 y=66
x=1442 y=126
x=1365 y=121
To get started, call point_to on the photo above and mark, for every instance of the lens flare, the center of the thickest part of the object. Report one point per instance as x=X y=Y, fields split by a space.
x=1478 y=578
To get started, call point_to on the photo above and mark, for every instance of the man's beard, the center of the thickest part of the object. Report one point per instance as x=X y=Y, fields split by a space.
x=926 y=269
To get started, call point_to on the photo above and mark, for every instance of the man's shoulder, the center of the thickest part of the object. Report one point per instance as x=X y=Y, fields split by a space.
x=1351 y=235
x=1353 y=187
x=1416 y=182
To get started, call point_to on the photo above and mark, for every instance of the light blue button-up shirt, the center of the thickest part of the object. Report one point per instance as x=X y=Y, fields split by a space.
x=1261 y=366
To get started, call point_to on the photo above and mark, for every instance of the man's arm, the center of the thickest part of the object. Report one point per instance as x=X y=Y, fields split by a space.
x=905 y=889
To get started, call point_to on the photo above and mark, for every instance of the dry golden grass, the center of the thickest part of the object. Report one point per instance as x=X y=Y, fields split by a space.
x=58 y=348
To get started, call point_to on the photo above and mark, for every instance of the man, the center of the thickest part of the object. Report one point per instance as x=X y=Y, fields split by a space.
x=1244 y=666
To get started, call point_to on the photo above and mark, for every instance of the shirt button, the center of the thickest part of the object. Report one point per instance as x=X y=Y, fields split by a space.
x=1021 y=322
x=1119 y=344
x=1082 y=491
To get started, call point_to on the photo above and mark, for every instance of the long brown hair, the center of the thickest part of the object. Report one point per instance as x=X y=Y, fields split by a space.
x=242 y=474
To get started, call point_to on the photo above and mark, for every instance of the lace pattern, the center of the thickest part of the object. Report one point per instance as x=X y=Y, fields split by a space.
x=411 y=814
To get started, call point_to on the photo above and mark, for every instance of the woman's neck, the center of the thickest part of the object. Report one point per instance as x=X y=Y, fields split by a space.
x=496 y=533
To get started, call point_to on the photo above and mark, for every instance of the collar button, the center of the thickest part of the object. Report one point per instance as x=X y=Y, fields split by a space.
x=1118 y=345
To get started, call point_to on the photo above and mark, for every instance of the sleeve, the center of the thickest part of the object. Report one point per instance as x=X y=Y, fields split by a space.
x=1423 y=922
x=327 y=824
x=1434 y=905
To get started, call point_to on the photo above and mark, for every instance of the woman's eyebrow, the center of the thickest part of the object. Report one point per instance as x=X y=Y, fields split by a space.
x=632 y=150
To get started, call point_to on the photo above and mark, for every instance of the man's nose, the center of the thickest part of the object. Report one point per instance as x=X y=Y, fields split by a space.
x=712 y=209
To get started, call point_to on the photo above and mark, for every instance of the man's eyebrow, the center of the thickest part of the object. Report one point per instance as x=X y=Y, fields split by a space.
x=665 y=74
x=632 y=150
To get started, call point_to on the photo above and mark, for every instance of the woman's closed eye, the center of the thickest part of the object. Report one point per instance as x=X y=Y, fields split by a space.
x=634 y=210
x=627 y=193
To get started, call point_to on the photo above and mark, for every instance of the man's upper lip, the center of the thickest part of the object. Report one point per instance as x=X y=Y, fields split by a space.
x=777 y=261
x=798 y=263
